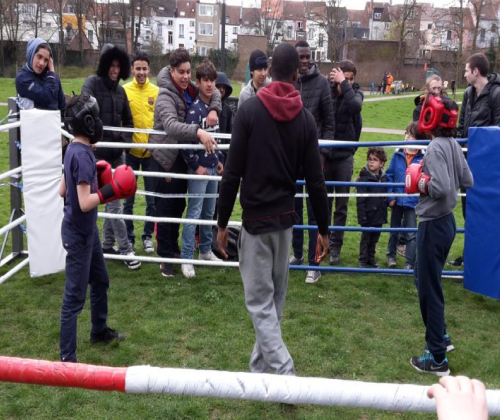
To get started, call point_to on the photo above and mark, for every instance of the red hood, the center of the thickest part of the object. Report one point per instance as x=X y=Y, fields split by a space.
x=282 y=100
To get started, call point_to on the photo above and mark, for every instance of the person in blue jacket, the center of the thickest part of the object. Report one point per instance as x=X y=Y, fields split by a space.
x=403 y=208
x=37 y=85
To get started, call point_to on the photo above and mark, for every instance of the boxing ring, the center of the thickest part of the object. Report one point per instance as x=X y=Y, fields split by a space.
x=147 y=379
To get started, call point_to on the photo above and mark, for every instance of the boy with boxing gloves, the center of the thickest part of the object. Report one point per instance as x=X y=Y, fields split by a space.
x=85 y=186
x=437 y=178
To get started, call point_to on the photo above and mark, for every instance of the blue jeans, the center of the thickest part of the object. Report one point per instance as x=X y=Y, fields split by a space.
x=84 y=266
x=199 y=208
x=403 y=217
x=128 y=205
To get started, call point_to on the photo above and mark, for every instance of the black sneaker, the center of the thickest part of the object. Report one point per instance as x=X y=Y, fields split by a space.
x=334 y=259
x=457 y=262
x=363 y=265
x=107 y=336
x=449 y=345
x=373 y=264
x=113 y=250
x=427 y=364
x=167 y=270
x=408 y=267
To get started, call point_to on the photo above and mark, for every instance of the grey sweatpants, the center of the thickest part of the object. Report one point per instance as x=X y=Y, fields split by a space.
x=115 y=229
x=264 y=271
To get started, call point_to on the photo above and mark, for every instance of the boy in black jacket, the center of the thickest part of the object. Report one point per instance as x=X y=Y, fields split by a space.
x=372 y=211
x=273 y=138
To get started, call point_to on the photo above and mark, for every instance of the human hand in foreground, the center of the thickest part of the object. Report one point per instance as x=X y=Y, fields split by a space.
x=321 y=248
x=337 y=76
x=212 y=118
x=459 y=398
x=222 y=241
x=207 y=140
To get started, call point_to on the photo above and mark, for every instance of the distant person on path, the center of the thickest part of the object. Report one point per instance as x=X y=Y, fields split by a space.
x=274 y=138
x=372 y=88
x=390 y=80
x=453 y=87
x=384 y=80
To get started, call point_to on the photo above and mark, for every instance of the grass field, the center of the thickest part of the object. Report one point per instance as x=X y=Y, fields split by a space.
x=346 y=326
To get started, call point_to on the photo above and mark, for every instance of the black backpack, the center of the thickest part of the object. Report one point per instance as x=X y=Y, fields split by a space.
x=232 y=243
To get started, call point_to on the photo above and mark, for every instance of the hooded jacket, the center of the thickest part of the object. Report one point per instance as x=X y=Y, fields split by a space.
x=273 y=137
x=249 y=91
x=347 y=111
x=170 y=116
x=315 y=93
x=142 y=100
x=419 y=102
x=482 y=111
x=42 y=91
x=226 y=116
x=372 y=211
x=114 y=109
x=396 y=172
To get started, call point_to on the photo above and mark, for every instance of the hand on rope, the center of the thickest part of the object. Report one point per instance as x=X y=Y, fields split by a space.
x=207 y=140
x=459 y=398
x=222 y=241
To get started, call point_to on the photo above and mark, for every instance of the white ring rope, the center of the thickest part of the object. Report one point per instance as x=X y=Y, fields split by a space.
x=14 y=270
x=13 y=224
x=164 y=219
x=10 y=173
x=7 y=127
x=158 y=260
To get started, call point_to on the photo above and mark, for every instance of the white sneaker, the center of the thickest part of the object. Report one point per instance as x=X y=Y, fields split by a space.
x=133 y=265
x=148 y=245
x=188 y=270
x=209 y=256
x=312 y=276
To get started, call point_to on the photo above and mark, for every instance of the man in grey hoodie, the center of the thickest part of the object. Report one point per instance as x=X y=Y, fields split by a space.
x=258 y=72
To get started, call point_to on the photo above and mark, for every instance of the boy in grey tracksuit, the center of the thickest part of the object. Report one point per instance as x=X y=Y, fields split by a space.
x=444 y=171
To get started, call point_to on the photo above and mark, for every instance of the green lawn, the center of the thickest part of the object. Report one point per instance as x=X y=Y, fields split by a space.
x=346 y=326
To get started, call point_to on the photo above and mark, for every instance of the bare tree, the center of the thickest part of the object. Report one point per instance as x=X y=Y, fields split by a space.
x=401 y=16
x=269 y=22
x=2 y=60
x=477 y=8
x=142 y=6
x=11 y=25
x=123 y=11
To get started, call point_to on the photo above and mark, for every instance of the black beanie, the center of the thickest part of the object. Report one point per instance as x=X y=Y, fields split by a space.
x=258 y=60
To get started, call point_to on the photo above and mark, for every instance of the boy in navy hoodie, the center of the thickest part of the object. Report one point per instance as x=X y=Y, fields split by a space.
x=273 y=138
x=403 y=208
x=200 y=162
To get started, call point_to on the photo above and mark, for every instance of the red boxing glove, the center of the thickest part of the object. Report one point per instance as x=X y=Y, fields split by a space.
x=415 y=180
x=104 y=173
x=123 y=185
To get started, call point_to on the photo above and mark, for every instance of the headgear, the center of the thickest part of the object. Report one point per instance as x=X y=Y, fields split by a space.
x=435 y=114
x=83 y=118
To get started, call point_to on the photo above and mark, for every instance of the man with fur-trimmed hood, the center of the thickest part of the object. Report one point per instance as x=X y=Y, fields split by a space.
x=114 y=110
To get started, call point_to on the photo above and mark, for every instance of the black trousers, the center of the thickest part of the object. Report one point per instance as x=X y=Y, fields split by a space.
x=434 y=240
x=368 y=245
x=298 y=235
x=338 y=170
x=167 y=234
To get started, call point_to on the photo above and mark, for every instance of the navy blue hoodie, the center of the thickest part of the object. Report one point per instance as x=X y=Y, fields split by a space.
x=42 y=91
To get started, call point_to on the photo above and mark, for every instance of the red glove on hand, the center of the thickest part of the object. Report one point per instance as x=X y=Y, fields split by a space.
x=415 y=180
x=123 y=185
x=104 y=173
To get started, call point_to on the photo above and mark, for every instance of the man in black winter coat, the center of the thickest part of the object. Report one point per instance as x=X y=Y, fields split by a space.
x=480 y=106
x=347 y=99
x=315 y=94
x=114 y=110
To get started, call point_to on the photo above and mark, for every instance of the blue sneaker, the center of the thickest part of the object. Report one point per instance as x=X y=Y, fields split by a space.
x=427 y=364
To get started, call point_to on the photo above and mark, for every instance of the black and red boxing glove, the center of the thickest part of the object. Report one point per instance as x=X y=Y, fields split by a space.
x=104 y=173
x=415 y=180
x=122 y=185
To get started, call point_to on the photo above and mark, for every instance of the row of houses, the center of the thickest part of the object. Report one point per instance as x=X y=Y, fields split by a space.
x=196 y=25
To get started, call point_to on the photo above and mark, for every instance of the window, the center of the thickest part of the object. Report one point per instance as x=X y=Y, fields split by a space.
x=310 y=33
x=429 y=26
x=409 y=35
x=318 y=55
x=228 y=20
x=356 y=24
x=377 y=16
x=313 y=55
x=70 y=8
x=48 y=24
x=225 y=38
x=206 y=10
x=170 y=37
x=387 y=26
x=202 y=51
x=170 y=22
x=90 y=36
x=299 y=25
x=289 y=32
x=320 y=40
x=181 y=31
x=278 y=25
x=206 y=29
x=191 y=23
x=235 y=30
x=160 y=29
x=448 y=35
x=148 y=22
x=482 y=34
x=494 y=28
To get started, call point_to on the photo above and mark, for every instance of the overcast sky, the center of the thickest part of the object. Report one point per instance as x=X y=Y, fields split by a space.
x=351 y=4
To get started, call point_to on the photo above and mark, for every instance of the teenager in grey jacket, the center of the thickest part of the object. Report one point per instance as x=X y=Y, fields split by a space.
x=258 y=72
x=177 y=92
